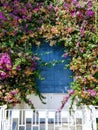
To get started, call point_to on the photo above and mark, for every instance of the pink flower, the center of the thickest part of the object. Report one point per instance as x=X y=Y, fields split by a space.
x=65 y=99
x=80 y=15
x=18 y=68
x=90 y=4
x=66 y=6
x=9 y=100
x=51 y=7
x=71 y=92
x=56 y=9
x=65 y=55
x=1 y=67
x=3 y=75
x=89 y=13
x=14 y=92
x=75 y=2
x=73 y=13
x=2 y=16
x=36 y=9
x=82 y=31
x=91 y=92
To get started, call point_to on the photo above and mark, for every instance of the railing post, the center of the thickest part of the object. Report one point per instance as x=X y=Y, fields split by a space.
x=94 y=118
x=87 y=118
x=2 y=115
x=47 y=120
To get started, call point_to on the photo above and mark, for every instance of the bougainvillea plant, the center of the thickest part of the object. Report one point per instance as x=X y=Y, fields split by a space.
x=72 y=23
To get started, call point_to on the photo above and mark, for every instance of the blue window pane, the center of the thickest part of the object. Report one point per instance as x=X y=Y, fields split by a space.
x=57 y=78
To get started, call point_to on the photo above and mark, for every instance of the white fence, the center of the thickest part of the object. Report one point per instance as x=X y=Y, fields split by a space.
x=28 y=119
x=2 y=115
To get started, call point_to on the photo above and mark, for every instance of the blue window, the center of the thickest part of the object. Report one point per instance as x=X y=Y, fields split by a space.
x=57 y=78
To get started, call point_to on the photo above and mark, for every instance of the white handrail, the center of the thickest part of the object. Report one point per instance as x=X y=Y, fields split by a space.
x=49 y=118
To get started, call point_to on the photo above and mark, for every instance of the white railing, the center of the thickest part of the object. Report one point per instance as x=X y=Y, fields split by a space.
x=46 y=119
x=28 y=119
x=2 y=115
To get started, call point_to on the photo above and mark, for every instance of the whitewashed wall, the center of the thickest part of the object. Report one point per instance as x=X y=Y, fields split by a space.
x=53 y=101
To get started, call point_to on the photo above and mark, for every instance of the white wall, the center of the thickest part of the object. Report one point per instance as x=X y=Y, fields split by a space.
x=53 y=101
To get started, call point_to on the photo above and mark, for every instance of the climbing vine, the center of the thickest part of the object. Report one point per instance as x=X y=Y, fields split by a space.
x=72 y=23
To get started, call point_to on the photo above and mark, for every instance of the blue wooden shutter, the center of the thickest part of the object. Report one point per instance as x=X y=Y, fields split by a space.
x=57 y=79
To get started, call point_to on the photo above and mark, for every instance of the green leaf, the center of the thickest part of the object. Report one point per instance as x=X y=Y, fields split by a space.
x=96 y=75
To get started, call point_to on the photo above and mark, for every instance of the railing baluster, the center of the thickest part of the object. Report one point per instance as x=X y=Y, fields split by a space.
x=53 y=119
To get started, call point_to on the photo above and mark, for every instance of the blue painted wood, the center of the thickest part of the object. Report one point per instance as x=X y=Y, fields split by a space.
x=57 y=79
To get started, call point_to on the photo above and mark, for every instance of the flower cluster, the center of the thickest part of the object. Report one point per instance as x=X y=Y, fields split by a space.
x=71 y=23
x=17 y=77
x=5 y=65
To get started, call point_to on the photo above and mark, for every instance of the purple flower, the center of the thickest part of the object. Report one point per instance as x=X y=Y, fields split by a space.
x=18 y=68
x=1 y=67
x=89 y=13
x=65 y=99
x=23 y=10
x=5 y=64
x=73 y=13
x=75 y=2
x=24 y=17
x=5 y=4
x=65 y=55
x=82 y=32
x=9 y=100
x=11 y=51
x=94 y=66
x=3 y=75
x=79 y=14
x=2 y=16
x=66 y=6
x=8 y=67
x=56 y=9
x=36 y=9
x=91 y=92
x=85 y=22
x=35 y=58
x=29 y=5
x=81 y=50
x=51 y=7
x=71 y=92
x=16 y=3
x=14 y=92
x=90 y=4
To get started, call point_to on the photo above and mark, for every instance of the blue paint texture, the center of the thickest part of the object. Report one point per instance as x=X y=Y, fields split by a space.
x=57 y=78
